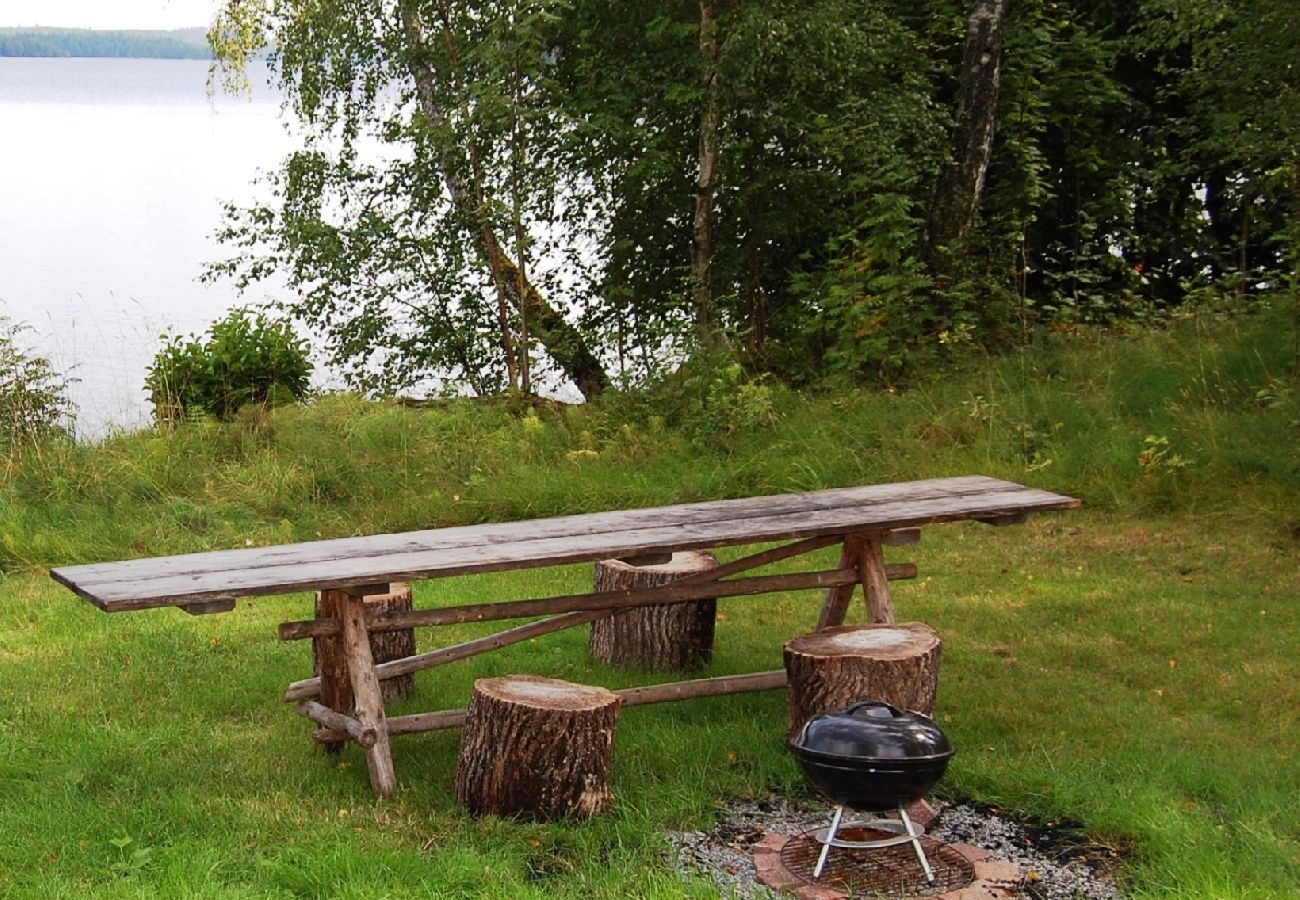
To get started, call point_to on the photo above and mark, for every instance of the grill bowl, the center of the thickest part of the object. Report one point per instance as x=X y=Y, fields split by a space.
x=871 y=785
x=872 y=756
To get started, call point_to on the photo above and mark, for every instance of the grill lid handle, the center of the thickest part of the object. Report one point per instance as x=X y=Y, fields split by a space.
x=873 y=709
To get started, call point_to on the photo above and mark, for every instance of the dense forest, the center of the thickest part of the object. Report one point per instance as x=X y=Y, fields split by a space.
x=184 y=43
x=585 y=192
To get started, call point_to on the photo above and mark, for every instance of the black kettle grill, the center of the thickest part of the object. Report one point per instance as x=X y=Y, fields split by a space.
x=872 y=757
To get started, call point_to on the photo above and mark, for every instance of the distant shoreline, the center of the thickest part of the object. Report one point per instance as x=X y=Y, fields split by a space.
x=66 y=43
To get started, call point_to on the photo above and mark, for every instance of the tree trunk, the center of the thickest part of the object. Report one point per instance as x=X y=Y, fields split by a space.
x=565 y=343
x=757 y=297
x=834 y=667
x=668 y=637
x=706 y=179
x=537 y=747
x=562 y=340
x=956 y=195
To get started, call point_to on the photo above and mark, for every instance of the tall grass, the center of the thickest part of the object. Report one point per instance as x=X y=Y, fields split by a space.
x=1131 y=665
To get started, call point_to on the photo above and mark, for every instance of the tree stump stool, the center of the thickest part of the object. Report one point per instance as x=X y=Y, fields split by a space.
x=664 y=637
x=834 y=667
x=537 y=747
x=385 y=646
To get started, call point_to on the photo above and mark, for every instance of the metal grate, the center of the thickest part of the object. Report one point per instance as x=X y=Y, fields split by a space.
x=882 y=872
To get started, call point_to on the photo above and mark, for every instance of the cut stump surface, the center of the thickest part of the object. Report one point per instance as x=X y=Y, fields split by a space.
x=834 y=667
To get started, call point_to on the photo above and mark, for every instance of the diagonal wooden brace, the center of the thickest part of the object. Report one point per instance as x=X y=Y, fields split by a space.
x=864 y=553
x=367 y=694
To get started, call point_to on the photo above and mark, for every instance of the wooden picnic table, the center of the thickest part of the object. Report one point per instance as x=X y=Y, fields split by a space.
x=862 y=520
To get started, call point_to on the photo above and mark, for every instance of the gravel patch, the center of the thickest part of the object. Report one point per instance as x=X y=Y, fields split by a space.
x=1058 y=861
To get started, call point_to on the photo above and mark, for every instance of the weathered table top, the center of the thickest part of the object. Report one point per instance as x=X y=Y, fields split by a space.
x=224 y=575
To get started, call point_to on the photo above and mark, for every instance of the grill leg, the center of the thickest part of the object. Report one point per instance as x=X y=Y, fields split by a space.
x=916 y=844
x=830 y=837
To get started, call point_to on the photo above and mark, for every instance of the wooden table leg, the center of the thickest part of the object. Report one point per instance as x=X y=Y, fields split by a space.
x=875 y=582
x=864 y=553
x=836 y=603
x=368 y=695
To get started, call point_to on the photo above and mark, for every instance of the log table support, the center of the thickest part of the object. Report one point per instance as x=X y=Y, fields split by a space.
x=385 y=646
x=331 y=663
x=834 y=667
x=659 y=637
x=536 y=746
x=332 y=681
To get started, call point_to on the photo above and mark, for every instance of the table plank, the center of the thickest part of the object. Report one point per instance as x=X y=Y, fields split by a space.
x=315 y=565
x=531 y=529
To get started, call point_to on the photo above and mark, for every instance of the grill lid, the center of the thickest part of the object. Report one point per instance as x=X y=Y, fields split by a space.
x=872 y=729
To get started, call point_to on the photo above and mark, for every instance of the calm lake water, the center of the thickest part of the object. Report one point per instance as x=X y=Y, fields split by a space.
x=111 y=176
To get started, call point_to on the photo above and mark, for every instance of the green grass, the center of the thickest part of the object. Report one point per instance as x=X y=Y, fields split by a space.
x=1132 y=665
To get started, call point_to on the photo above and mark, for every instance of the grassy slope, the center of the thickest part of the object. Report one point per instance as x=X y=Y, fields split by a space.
x=1132 y=665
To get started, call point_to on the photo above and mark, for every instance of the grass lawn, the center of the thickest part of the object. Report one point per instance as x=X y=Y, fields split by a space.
x=1131 y=665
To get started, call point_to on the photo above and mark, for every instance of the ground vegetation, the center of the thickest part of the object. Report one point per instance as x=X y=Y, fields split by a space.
x=1128 y=667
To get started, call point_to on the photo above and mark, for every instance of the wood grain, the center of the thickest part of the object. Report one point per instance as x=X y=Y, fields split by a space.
x=536 y=747
x=835 y=667
x=658 y=637
x=348 y=562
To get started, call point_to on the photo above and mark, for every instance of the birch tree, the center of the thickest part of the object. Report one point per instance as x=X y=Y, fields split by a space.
x=403 y=222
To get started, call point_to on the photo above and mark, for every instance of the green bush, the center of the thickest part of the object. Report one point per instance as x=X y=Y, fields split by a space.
x=33 y=398
x=245 y=359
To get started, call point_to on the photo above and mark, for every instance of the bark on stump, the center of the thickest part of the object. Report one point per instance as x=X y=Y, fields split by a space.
x=664 y=637
x=834 y=667
x=536 y=747
x=385 y=646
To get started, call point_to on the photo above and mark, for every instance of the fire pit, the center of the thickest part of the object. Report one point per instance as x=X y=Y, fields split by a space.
x=872 y=757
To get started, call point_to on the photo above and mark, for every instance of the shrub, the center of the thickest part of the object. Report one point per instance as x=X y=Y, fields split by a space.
x=711 y=399
x=33 y=398
x=245 y=359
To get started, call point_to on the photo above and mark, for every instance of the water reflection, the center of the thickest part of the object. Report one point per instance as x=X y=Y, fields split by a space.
x=111 y=174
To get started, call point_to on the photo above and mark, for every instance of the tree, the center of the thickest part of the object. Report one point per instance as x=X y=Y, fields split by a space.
x=494 y=190
x=810 y=114
x=1232 y=66
x=390 y=221
x=706 y=180
x=956 y=196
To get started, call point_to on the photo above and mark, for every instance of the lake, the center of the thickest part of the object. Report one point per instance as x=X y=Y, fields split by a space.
x=112 y=172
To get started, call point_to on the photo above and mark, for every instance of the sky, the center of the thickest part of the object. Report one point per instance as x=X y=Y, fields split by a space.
x=108 y=14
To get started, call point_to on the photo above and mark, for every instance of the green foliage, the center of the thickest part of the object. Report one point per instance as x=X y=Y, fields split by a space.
x=712 y=400
x=245 y=359
x=1143 y=153
x=408 y=258
x=1231 y=68
x=33 y=397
